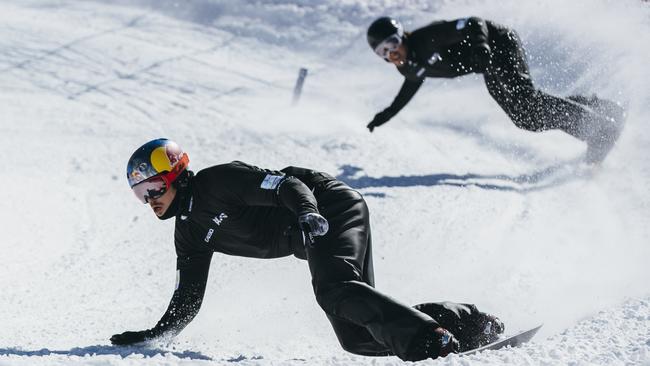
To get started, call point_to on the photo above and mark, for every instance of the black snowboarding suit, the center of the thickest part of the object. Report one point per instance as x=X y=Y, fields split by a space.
x=238 y=209
x=447 y=49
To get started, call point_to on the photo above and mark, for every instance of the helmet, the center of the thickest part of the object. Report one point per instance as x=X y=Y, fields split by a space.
x=383 y=28
x=153 y=168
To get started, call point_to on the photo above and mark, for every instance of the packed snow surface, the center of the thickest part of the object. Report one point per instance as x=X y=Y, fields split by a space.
x=464 y=206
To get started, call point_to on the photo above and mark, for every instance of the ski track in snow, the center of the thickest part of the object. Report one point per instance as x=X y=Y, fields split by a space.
x=464 y=206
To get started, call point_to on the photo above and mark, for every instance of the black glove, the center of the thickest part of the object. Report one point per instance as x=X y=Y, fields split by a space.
x=380 y=119
x=131 y=337
x=313 y=224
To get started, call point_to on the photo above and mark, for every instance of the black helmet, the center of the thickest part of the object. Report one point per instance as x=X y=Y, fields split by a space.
x=383 y=28
x=154 y=167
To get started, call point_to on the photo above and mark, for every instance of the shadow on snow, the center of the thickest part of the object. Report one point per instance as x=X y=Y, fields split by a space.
x=106 y=350
x=545 y=178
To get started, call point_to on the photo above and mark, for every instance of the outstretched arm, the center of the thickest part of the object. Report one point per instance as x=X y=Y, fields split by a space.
x=405 y=94
x=192 y=272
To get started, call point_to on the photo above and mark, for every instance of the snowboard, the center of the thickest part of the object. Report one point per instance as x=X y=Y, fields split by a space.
x=512 y=341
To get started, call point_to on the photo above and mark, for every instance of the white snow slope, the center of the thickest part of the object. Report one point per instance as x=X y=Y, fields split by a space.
x=465 y=207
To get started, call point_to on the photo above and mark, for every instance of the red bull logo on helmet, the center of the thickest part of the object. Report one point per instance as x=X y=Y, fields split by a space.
x=164 y=158
x=155 y=157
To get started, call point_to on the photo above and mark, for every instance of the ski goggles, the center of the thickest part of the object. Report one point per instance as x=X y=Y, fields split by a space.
x=150 y=189
x=388 y=45
x=154 y=187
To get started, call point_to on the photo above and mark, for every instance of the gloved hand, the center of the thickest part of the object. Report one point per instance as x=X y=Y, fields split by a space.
x=313 y=224
x=380 y=119
x=131 y=337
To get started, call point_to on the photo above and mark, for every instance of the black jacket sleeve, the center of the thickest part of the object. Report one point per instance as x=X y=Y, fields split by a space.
x=244 y=184
x=192 y=276
x=405 y=94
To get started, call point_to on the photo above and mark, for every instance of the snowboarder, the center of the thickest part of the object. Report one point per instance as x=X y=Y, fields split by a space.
x=242 y=210
x=447 y=49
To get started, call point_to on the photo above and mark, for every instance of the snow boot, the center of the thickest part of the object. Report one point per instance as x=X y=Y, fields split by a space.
x=469 y=326
x=448 y=343
x=435 y=343
x=481 y=329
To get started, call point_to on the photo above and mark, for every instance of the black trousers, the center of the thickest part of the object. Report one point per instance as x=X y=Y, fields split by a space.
x=508 y=81
x=366 y=321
